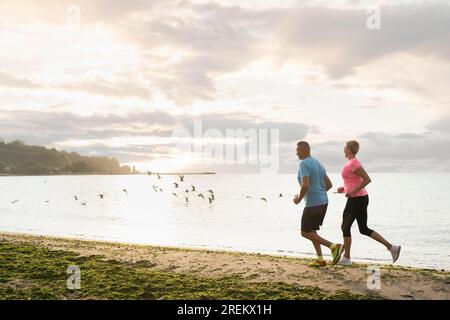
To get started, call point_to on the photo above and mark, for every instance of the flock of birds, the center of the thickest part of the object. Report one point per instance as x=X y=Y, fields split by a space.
x=190 y=191
x=187 y=192
x=193 y=189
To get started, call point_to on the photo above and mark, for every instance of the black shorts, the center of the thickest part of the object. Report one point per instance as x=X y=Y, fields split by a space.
x=312 y=217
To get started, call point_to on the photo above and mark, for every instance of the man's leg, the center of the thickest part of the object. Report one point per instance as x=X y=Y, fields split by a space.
x=336 y=249
x=319 y=262
x=315 y=238
x=318 y=248
x=312 y=219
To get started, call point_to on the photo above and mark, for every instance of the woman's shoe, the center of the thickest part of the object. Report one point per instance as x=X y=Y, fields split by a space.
x=395 y=252
x=345 y=261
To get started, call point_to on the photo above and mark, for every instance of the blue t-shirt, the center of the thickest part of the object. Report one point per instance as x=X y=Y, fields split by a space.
x=317 y=193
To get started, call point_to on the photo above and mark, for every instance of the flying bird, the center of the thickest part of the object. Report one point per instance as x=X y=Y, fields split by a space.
x=83 y=203
x=281 y=195
x=175 y=185
x=181 y=177
x=193 y=188
x=160 y=189
x=125 y=190
x=76 y=198
x=174 y=194
x=210 y=199
x=187 y=199
x=101 y=195
x=187 y=190
x=15 y=201
x=159 y=177
x=201 y=195
x=212 y=193
x=264 y=199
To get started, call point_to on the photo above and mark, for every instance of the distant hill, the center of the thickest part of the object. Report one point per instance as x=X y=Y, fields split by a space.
x=18 y=158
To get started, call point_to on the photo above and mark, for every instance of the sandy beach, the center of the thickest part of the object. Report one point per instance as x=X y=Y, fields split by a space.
x=252 y=269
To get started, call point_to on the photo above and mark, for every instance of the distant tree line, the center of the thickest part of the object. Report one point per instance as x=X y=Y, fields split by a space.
x=18 y=158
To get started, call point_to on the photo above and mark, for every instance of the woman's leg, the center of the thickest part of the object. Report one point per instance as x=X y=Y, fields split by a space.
x=376 y=236
x=348 y=218
x=362 y=218
x=347 y=246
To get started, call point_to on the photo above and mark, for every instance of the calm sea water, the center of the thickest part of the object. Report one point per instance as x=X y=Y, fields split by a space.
x=410 y=209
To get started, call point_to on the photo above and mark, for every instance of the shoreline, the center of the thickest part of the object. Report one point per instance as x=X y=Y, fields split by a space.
x=231 y=250
x=283 y=273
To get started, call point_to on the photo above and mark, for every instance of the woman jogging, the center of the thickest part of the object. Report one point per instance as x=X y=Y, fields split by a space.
x=355 y=181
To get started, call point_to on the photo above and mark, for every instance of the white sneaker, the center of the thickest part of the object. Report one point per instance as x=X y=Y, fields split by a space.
x=345 y=262
x=395 y=252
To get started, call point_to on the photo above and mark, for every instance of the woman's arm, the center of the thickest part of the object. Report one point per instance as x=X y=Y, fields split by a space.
x=366 y=180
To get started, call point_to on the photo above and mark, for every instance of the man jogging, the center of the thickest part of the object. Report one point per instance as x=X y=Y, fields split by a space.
x=314 y=184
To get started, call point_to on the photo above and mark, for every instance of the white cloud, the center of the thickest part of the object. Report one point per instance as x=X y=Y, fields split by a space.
x=142 y=135
x=309 y=68
x=386 y=152
x=12 y=81
x=213 y=39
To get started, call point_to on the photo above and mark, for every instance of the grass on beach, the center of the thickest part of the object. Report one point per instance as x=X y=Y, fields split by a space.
x=29 y=271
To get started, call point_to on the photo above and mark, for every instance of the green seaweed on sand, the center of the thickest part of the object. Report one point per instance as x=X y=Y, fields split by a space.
x=30 y=271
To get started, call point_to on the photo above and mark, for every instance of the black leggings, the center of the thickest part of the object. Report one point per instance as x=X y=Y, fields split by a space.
x=356 y=208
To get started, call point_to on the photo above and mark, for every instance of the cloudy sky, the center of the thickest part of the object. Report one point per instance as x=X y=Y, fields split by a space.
x=118 y=78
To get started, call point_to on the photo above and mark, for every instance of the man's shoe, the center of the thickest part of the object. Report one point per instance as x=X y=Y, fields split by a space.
x=318 y=264
x=337 y=252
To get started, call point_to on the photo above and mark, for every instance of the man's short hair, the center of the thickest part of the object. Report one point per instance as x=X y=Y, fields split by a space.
x=353 y=146
x=304 y=145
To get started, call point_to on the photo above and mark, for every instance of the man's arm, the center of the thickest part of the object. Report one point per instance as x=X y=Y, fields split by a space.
x=328 y=184
x=303 y=190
